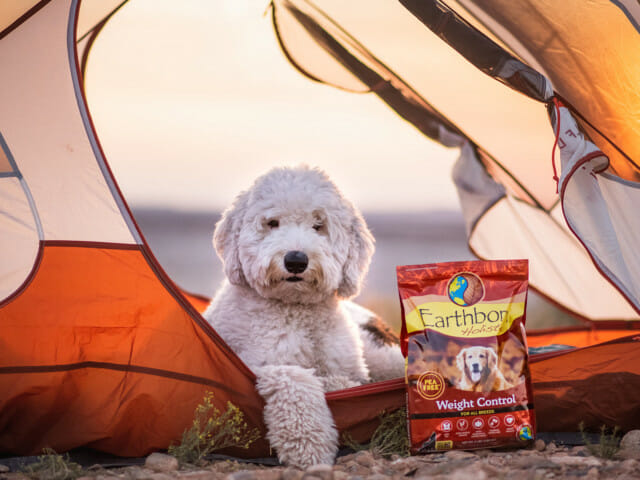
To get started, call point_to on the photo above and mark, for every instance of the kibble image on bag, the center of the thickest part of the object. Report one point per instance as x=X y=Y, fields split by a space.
x=464 y=341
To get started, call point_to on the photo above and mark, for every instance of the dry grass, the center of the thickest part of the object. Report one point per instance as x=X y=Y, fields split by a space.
x=390 y=437
x=608 y=444
x=51 y=466
x=213 y=430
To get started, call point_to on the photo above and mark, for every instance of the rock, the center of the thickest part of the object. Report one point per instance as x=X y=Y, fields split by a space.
x=365 y=458
x=592 y=474
x=161 y=462
x=323 y=472
x=242 y=475
x=630 y=465
x=630 y=446
x=459 y=455
x=426 y=471
x=496 y=461
x=161 y=476
x=4 y=469
x=138 y=473
x=354 y=468
x=291 y=473
x=472 y=472
x=631 y=440
x=581 y=451
x=539 y=445
x=531 y=462
x=575 y=461
x=492 y=471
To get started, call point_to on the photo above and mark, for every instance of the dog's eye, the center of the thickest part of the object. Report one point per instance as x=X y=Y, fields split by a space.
x=273 y=223
x=318 y=226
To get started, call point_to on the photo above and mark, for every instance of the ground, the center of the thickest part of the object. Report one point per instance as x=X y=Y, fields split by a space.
x=538 y=462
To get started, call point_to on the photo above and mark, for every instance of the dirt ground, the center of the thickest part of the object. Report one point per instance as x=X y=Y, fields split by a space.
x=540 y=461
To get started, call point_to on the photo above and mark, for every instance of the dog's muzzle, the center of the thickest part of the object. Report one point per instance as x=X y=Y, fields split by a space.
x=296 y=261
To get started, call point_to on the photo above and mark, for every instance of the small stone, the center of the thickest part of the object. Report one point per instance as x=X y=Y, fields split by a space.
x=321 y=471
x=631 y=440
x=354 y=468
x=161 y=476
x=630 y=446
x=539 y=445
x=628 y=454
x=580 y=451
x=340 y=475
x=242 y=475
x=492 y=471
x=161 y=462
x=459 y=455
x=592 y=474
x=138 y=473
x=425 y=471
x=471 y=472
x=4 y=469
x=575 y=461
x=365 y=458
x=483 y=453
x=630 y=464
x=496 y=461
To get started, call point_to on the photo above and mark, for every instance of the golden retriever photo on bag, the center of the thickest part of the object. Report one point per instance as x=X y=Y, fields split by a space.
x=479 y=370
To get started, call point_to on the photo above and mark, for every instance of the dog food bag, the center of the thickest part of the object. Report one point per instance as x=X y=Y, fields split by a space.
x=463 y=338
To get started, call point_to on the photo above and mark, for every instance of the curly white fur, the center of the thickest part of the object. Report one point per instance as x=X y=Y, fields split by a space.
x=287 y=321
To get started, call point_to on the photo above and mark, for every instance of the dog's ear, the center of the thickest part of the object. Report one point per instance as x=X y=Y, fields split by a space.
x=225 y=239
x=361 y=246
x=492 y=358
x=460 y=360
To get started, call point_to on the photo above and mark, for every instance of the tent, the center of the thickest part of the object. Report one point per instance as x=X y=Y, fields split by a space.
x=491 y=70
x=99 y=348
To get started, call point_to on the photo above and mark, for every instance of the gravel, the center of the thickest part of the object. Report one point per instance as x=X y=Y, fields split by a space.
x=540 y=461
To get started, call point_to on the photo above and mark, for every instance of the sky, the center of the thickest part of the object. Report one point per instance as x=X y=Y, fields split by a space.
x=193 y=100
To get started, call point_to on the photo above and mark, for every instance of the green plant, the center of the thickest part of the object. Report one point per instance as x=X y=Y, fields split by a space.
x=390 y=437
x=608 y=444
x=213 y=430
x=52 y=466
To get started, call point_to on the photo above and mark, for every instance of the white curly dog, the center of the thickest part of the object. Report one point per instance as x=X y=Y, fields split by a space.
x=293 y=250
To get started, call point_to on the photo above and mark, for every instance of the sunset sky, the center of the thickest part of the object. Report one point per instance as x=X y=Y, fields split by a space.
x=193 y=99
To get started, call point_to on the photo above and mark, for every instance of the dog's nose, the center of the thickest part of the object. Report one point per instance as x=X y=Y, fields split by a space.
x=296 y=262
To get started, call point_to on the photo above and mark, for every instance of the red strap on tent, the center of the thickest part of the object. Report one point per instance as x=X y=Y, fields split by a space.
x=556 y=103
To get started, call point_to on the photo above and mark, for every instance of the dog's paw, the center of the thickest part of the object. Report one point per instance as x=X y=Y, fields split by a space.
x=299 y=423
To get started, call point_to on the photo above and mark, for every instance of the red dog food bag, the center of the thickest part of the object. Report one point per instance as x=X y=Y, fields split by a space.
x=465 y=349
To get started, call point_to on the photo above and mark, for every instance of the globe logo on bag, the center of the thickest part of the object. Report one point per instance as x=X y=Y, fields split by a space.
x=465 y=289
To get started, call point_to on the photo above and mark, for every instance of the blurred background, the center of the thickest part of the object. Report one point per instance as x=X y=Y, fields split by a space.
x=193 y=100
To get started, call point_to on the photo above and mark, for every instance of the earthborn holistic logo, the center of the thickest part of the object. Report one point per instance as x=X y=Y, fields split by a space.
x=465 y=289
x=430 y=385
x=525 y=433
